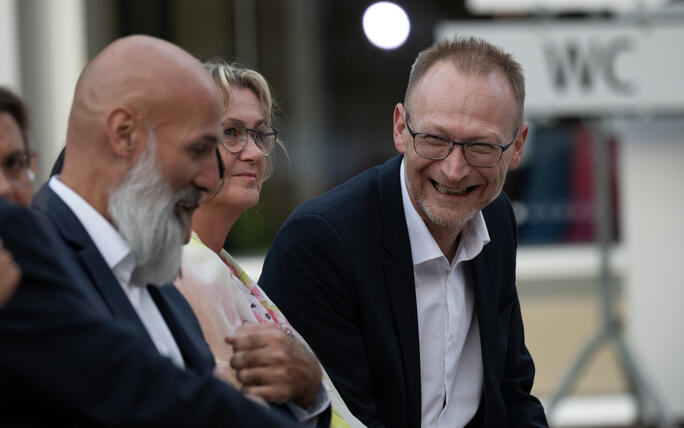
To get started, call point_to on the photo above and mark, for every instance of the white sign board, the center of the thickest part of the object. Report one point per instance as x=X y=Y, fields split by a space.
x=591 y=67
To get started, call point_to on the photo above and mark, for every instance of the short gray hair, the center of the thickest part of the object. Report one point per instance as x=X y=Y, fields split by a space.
x=474 y=57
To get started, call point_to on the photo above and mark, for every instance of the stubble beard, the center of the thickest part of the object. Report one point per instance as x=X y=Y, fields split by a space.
x=448 y=218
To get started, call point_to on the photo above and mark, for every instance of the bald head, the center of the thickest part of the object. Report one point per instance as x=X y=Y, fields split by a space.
x=133 y=88
x=136 y=72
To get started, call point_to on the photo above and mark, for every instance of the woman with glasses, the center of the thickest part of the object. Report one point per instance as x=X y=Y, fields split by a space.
x=263 y=355
x=15 y=175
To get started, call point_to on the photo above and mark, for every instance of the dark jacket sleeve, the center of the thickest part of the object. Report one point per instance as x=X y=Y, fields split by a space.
x=309 y=275
x=61 y=364
x=524 y=410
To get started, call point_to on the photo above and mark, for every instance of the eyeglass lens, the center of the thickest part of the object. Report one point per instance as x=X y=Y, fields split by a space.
x=478 y=154
x=235 y=137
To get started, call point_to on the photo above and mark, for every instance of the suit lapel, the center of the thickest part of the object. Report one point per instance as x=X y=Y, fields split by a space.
x=195 y=351
x=103 y=285
x=398 y=266
x=107 y=285
x=486 y=303
x=103 y=288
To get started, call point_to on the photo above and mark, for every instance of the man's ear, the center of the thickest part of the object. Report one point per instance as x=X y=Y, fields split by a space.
x=399 y=127
x=519 y=145
x=120 y=126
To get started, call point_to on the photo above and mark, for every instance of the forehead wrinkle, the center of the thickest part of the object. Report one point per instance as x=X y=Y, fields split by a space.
x=462 y=137
x=461 y=127
x=258 y=123
x=11 y=130
x=245 y=103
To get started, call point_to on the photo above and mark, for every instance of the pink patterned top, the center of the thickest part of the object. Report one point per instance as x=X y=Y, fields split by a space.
x=224 y=297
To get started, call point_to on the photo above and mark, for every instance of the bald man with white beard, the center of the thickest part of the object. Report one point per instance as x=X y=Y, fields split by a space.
x=140 y=153
x=93 y=336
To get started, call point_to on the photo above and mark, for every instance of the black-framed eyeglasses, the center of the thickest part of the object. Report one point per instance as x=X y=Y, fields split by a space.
x=235 y=136
x=476 y=153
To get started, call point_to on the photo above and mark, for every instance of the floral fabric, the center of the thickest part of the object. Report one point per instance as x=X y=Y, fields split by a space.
x=224 y=297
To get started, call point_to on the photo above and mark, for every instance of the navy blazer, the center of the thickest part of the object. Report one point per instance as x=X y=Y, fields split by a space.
x=104 y=293
x=63 y=362
x=341 y=270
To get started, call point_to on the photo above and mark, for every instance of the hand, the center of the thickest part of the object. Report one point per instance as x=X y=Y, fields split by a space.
x=273 y=365
x=225 y=372
x=10 y=274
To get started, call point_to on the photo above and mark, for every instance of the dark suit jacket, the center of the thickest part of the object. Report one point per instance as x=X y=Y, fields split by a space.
x=341 y=270
x=66 y=362
x=104 y=292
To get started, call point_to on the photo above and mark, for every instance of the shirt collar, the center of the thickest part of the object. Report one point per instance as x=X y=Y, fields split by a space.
x=109 y=242
x=474 y=235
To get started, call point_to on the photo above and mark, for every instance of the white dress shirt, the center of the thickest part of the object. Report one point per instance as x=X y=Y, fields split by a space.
x=449 y=334
x=120 y=259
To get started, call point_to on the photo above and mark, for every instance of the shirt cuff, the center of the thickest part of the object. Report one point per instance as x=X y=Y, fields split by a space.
x=309 y=416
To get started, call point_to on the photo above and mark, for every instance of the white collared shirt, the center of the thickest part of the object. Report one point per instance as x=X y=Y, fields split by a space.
x=450 y=355
x=120 y=259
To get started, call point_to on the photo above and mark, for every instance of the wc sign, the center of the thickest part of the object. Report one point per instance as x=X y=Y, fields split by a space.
x=583 y=65
x=592 y=67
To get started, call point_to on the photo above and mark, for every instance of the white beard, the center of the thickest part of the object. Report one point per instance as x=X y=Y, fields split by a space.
x=142 y=208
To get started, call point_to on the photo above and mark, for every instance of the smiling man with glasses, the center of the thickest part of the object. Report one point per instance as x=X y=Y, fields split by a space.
x=408 y=270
